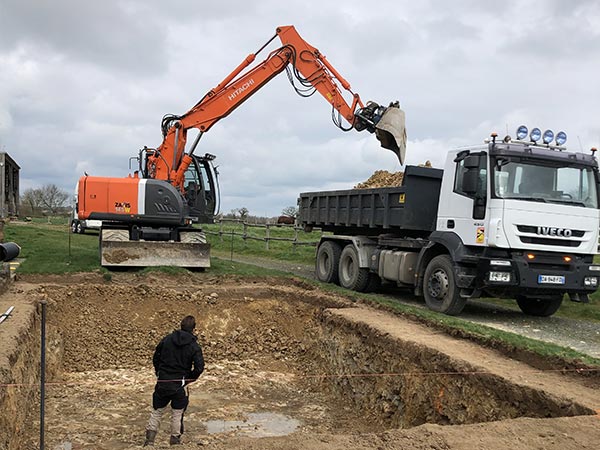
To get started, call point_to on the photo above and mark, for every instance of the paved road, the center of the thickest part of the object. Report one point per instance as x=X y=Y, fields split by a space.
x=579 y=335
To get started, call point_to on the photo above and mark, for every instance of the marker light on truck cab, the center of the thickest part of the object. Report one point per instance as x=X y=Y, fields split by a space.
x=548 y=136
x=522 y=132
x=535 y=134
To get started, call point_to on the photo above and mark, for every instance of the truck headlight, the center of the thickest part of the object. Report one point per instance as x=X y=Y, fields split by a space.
x=590 y=281
x=499 y=277
x=595 y=268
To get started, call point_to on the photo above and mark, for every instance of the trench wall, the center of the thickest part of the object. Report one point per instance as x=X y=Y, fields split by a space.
x=20 y=367
x=411 y=384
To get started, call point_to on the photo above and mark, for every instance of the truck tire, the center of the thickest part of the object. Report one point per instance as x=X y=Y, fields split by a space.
x=80 y=228
x=440 y=290
x=539 y=307
x=352 y=276
x=73 y=226
x=328 y=261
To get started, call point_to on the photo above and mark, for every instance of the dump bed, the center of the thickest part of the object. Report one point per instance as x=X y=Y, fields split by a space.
x=410 y=208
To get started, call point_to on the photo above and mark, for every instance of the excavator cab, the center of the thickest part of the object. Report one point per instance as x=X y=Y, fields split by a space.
x=201 y=188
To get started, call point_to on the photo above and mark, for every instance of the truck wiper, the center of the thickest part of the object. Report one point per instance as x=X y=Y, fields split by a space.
x=567 y=202
x=532 y=199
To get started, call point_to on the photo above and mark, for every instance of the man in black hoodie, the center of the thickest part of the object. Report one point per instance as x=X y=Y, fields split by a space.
x=177 y=361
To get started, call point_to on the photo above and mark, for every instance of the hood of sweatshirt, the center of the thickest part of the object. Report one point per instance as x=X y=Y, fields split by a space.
x=182 y=338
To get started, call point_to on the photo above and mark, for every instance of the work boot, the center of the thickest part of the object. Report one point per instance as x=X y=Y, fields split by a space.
x=150 y=435
x=174 y=440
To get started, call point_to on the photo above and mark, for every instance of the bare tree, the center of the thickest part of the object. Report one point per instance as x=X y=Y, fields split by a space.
x=243 y=212
x=32 y=199
x=290 y=211
x=47 y=198
x=53 y=197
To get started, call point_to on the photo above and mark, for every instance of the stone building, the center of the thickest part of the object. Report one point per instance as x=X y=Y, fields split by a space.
x=9 y=186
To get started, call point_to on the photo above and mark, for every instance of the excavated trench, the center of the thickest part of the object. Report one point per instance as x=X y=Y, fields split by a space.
x=280 y=359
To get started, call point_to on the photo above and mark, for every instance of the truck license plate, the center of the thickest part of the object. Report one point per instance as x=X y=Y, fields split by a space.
x=551 y=279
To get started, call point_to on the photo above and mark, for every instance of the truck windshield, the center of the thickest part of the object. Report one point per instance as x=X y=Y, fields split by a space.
x=531 y=181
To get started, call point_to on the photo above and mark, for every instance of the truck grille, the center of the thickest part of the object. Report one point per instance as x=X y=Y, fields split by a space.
x=528 y=235
x=533 y=230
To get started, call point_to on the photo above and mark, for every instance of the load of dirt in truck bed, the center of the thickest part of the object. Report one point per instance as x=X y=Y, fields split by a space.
x=383 y=178
x=288 y=366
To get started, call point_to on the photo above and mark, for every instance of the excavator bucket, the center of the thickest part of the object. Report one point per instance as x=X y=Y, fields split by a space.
x=116 y=250
x=391 y=132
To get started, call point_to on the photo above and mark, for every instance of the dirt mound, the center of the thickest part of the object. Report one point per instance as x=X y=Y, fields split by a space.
x=383 y=178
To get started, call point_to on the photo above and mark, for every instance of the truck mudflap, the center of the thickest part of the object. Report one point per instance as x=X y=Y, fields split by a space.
x=117 y=250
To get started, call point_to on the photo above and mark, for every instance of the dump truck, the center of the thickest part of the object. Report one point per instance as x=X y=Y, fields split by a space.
x=512 y=218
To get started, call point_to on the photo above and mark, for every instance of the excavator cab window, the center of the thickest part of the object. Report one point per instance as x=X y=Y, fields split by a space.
x=200 y=192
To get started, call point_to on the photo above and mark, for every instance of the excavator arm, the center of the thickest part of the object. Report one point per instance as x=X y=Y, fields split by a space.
x=306 y=66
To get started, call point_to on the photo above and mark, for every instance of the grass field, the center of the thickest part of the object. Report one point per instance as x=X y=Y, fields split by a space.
x=278 y=249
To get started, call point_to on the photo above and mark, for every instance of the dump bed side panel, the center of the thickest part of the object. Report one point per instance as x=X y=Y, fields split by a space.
x=412 y=206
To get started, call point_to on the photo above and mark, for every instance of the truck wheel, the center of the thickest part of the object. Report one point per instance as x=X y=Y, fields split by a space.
x=440 y=291
x=328 y=260
x=539 y=307
x=350 y=273
x=80 y=228
x=74 y=226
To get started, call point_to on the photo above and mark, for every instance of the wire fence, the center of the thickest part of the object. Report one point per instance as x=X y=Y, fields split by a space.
x=243 y=227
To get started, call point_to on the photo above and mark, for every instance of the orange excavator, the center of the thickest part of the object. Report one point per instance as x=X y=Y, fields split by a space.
x=149 y=218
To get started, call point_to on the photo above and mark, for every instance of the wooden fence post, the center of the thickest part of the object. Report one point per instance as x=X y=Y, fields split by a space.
x=294 y=244
x=267 y=236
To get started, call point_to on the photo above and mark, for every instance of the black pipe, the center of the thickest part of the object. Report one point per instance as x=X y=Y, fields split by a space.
x=9 y=251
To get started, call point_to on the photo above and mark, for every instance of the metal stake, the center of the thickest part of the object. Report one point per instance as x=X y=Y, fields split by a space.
x=44 y=303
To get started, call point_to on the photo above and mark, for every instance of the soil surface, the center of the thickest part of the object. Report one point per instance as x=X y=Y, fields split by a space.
x=288 y=366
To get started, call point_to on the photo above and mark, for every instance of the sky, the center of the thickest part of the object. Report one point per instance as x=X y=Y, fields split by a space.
x=85 y=84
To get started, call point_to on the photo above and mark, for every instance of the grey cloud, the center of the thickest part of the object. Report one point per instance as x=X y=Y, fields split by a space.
x=99 y=33
x=85 y=84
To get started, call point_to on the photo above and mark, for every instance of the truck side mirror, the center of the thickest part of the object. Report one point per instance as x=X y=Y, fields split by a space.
x=472 y=161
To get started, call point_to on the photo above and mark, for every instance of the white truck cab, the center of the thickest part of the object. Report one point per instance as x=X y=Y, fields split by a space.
x=528 y=213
